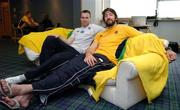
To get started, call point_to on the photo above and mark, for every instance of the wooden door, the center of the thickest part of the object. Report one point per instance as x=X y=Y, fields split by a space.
x=5 y=20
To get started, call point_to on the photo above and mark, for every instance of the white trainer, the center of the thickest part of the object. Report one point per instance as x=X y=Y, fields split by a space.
x=16 y=79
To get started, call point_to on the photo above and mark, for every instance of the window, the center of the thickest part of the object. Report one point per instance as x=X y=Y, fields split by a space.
x=128 y=8
x=169 y=9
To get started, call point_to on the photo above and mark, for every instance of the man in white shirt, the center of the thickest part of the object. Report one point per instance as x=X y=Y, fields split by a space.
x=56 y=52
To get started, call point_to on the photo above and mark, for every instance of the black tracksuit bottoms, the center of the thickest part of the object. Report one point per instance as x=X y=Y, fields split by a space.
x=71 y=74
x=55 y=53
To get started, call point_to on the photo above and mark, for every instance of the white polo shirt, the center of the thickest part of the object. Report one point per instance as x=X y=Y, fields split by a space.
x=84 y=37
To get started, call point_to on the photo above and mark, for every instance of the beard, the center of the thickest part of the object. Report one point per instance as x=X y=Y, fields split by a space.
x=109 y=23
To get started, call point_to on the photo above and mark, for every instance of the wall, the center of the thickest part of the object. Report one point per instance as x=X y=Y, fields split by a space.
x=169 y=30
x=60 y=11
x=89 y=5
x=5 y=20
x=96 y=7
x=76 y=13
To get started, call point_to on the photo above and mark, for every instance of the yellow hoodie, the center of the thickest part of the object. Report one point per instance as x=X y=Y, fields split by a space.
x=34 y=40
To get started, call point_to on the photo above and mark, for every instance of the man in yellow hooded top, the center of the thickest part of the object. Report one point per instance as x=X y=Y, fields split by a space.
x=82 y=68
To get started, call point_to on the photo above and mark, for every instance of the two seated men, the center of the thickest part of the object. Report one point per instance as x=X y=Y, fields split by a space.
x=83 y=67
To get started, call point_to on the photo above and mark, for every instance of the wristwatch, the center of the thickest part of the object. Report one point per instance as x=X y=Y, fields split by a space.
x=168 y=48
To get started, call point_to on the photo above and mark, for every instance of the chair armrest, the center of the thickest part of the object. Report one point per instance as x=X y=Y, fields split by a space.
x=129 y=69
x=31 y=55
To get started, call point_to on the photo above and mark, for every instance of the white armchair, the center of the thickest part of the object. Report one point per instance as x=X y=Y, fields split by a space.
x=127 y=89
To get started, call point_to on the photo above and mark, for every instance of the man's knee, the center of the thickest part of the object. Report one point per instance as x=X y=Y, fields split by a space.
x=50 y=39
x=50 y=42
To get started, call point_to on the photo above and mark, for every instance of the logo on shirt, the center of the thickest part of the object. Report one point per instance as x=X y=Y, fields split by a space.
x=89 y=28
x=82 y=31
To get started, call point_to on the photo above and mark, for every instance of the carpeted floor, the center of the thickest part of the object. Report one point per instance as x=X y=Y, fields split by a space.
x=77 y=99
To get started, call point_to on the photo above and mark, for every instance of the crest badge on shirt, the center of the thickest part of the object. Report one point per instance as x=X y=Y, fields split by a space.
x=89 y=28
x=116 y=32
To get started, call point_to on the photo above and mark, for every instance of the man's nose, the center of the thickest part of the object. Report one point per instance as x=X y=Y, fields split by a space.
x=108 y=16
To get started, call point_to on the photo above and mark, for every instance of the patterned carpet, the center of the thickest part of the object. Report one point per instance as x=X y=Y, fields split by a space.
x=77 y=99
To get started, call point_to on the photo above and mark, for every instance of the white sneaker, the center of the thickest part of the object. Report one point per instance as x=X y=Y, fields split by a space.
x=16 y=79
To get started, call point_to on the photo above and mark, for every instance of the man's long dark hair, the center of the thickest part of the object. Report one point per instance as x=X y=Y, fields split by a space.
x=110 y=10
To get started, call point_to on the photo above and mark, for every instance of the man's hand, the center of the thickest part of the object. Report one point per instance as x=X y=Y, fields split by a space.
x=70 y=40
x=90 y=60
x=171 y=55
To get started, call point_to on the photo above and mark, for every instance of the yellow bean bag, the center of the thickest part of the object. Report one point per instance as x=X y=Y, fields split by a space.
x=34 y=40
